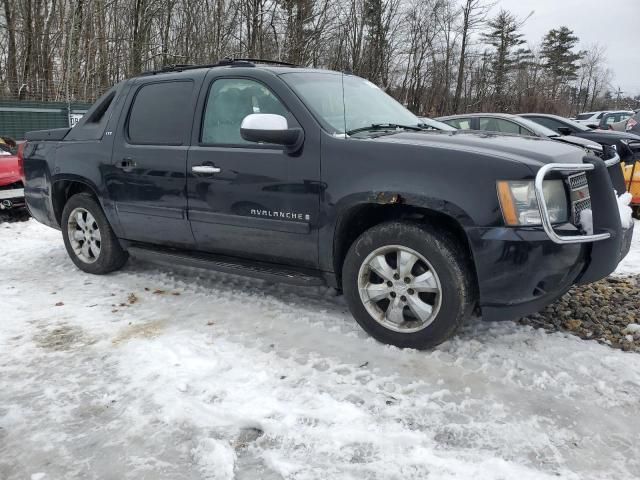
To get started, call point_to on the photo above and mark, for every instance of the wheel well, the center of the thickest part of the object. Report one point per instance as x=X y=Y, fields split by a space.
x=63 y=190
x=361 y=218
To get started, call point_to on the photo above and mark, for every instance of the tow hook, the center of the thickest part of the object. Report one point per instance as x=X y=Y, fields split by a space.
x=6 y=205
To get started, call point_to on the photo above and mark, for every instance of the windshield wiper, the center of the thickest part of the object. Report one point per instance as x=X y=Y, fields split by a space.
x=384 y=126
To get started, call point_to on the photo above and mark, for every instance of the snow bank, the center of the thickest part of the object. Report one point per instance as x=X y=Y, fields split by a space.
x=626 y=214
x=586 y=221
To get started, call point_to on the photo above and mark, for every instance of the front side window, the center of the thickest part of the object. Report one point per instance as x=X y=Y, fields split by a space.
x=230 y=100
x=161 y=114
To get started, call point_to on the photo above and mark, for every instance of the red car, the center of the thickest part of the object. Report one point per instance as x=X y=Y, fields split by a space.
x=11 y=186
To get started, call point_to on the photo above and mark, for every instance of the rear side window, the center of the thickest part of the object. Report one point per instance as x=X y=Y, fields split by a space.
x=584 y=116
x=460 y=123
x=502 y=126
x=161 y=114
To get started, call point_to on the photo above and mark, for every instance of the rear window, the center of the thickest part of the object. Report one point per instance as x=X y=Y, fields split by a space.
x=161 y=114
x=584 y=116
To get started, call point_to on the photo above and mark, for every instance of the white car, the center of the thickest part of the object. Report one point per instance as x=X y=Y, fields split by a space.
x=590 y=118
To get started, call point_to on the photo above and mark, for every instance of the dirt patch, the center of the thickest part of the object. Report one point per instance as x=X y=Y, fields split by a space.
x=143 y=330
x=62 y=337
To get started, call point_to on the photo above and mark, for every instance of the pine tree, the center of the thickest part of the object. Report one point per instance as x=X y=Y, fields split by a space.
x=505 y=37
x=560 y=61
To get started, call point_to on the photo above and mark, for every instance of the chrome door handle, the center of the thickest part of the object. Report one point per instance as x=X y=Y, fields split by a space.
x=205 y=169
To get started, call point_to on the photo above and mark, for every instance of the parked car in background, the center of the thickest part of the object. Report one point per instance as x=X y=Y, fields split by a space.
x=431 y=124
x=633 y=124
x=627 y=144
x=11 y=187
x=590 y=118
x=609 y=119
x=513 y=124
x=281 y=181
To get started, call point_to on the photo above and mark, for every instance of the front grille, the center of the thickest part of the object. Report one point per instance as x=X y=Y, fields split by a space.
x=579 y=195
x=578 y=181
x=578 y=207
x=12 y=186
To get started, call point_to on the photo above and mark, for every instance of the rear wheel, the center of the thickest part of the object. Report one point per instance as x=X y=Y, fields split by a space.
x=88 y=237
x=408 y=285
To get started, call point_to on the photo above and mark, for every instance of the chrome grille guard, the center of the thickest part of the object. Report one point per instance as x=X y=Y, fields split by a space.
x=542 y=204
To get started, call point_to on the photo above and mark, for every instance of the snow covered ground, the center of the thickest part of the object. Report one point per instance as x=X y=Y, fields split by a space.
x=152 y=373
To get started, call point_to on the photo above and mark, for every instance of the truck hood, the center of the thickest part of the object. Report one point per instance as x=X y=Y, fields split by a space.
x=532 y=151
x=578 y=142
x=612 y=134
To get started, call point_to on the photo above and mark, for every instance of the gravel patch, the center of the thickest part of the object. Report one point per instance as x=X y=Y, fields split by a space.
x=607 y=311
x=19 y=215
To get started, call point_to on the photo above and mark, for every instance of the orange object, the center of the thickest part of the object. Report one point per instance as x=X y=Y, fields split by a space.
x=507 y=203
x=633 y=184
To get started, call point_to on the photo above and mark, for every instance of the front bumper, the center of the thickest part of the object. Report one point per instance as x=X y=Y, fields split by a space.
x=11 y=198
x=521 y=270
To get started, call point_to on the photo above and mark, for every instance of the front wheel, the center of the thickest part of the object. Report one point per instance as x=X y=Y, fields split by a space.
x=408 y=285
x=88 y=237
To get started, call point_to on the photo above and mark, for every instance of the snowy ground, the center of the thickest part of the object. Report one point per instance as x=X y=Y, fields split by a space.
x=213 y=376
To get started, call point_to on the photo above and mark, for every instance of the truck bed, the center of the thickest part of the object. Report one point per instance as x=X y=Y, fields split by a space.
x=47 y=135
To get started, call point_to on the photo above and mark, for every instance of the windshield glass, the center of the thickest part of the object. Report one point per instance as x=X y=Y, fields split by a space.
x=362 y=104
x=537 y=128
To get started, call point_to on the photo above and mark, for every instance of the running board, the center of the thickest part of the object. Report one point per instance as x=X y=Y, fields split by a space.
x=261 y=270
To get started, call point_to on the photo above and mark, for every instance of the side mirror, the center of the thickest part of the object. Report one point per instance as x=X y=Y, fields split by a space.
x=271 y=128
x=593 y=126
x=564 y=131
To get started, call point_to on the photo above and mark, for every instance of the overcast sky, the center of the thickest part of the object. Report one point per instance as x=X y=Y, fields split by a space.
x=615 y=24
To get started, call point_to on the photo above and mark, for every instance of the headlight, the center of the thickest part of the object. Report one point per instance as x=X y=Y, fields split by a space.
x=520 y=206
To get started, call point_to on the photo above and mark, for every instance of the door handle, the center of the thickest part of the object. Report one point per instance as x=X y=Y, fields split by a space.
x=210 y=169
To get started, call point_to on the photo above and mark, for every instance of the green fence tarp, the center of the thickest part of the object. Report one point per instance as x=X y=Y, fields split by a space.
x=19 y=117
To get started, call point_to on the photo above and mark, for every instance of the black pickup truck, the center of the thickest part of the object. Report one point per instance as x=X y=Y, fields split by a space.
x=317 y=177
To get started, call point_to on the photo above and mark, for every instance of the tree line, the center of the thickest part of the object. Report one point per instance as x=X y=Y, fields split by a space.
x=435 y=56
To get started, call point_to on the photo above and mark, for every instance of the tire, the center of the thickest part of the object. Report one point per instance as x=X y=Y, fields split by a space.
x=441 y=277
x=100 y=254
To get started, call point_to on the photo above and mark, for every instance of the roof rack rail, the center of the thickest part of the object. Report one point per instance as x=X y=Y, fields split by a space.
x=265 y=61
x=227 y=61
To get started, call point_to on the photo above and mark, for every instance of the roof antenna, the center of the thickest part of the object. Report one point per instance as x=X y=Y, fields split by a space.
x=344 y=106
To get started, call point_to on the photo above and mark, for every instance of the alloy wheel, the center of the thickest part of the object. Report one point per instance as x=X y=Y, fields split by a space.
x=84 y=235
x=399 y=288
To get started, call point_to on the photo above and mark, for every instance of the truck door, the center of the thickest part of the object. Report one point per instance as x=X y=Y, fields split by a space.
x=246 y=199
x=148 y=180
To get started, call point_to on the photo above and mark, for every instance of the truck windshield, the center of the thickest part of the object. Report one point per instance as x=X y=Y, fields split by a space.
x=360 y=105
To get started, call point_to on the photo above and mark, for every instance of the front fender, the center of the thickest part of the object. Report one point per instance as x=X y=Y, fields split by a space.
x=458 y=184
